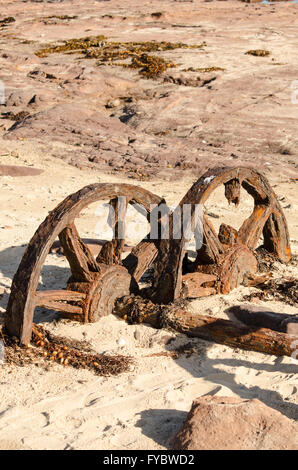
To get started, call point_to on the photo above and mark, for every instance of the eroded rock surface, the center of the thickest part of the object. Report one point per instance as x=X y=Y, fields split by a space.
x=217 y=106
x=231 y=423
x=18 y=170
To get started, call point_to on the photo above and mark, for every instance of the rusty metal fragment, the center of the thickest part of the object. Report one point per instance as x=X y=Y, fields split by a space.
x=227 y=235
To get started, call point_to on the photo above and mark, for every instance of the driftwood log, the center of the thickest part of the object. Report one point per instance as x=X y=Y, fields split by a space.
x=136 y=309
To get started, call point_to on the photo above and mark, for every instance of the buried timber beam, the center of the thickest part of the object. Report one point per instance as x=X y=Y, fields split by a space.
x=135 y=309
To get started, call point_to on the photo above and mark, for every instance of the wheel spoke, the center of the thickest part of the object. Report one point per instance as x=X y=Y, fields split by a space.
x=211 y=250
x=59 y=300
x=140 y=258
x=276 y=237
x=80 y=258
x=112 y=250
x=252 y=228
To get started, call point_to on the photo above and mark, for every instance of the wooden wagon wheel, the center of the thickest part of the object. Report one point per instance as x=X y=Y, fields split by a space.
x=230 y=253
x=94 y=283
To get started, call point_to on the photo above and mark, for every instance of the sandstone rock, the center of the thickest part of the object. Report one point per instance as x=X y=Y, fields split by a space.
x=179 y=125
x=231 y=423
x=14 y=170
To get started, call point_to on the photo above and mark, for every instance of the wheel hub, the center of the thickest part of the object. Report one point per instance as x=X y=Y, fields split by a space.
x=111 y=283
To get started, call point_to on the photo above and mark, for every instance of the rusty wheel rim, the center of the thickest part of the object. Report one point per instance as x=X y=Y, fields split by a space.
x=85 y=269
x=267 y=219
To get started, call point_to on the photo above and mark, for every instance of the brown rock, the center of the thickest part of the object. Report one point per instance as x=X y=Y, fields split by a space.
x=14 y=170
x=231 y=423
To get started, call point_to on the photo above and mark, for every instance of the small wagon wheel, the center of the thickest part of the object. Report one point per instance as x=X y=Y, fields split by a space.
x=231 y=248
x=94 y=283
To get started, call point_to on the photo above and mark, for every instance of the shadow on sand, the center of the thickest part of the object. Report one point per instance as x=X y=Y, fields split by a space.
x=52 y=277
x=161 y=424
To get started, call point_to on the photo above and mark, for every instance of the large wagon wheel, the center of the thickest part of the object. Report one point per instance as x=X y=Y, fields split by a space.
x=94 y=283
x=228 y=254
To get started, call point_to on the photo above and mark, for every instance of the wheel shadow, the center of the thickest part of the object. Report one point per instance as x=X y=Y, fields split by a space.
x=9 y=261
x=52 y=277
x=161 y=425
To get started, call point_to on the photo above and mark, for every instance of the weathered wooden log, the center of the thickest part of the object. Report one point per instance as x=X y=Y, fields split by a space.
x=135 y=309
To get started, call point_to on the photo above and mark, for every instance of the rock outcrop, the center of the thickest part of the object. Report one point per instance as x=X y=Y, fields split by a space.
x=230 y=423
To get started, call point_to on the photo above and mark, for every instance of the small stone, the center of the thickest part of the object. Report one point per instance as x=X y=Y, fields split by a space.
x=137 y=335
x=121 y=342
x=113 y=103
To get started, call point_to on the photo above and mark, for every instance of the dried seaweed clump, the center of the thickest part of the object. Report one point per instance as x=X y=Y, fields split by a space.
x=7 y=20
x=150 y=66
x=283 y=290
x=258 y=52
x=54 y=19
x=15 y=116
x=59 y=17
x=79 y=44
x=110 y=53
x=204 y=69
x=47 y=347
x=266 y=261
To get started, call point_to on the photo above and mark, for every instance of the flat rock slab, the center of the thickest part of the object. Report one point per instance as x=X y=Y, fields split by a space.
x=231 y=423
x=14 y=170
x=114 y=119
x=262 y=317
